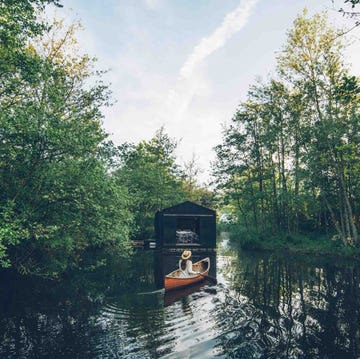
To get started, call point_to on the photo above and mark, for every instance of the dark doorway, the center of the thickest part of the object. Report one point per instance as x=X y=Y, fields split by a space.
x=187 y=230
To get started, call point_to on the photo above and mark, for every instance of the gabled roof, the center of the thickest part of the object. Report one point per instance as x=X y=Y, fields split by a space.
x=188 y=207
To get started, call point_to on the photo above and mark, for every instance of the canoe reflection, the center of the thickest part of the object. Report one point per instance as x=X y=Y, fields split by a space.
x=178 y=294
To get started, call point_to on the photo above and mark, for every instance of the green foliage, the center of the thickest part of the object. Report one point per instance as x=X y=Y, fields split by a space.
x=12 y=232
x=312 y=243
x=353 y=2
x=57 y=198
x=195 y=192
x=149 y=172
x=289 y=160
x=66 y=191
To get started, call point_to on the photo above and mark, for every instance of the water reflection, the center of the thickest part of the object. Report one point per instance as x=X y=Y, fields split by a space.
x=186 y=294
x=264 y=306
x=281 y=307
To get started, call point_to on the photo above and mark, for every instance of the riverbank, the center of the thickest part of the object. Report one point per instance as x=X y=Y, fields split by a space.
x=314 y=243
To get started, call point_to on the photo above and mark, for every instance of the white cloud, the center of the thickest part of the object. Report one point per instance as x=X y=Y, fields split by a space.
x=201 y=129
x=232 y=23
x=193 y=99
x=153 y=4
x=147 y=99
x=191 y=83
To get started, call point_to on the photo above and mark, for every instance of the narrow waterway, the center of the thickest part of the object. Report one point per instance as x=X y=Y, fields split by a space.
x=262 y=306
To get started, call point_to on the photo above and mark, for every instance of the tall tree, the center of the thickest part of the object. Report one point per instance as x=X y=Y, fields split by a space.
x=149 y=171
x=312 y=61
x=57 y=199
x=194 y=190
x=289 y=160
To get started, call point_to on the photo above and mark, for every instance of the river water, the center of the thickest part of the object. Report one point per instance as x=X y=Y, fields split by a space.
x=262 y=305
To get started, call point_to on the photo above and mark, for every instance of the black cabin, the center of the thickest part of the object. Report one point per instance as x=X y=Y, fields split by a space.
x=186 y=225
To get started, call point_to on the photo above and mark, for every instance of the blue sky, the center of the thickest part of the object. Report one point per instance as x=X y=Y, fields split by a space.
x=186 y=64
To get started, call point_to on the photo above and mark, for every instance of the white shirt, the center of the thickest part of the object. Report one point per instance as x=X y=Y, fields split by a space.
x=188 y=272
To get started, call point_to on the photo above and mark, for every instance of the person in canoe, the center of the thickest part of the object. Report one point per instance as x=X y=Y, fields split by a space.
x=185 y=264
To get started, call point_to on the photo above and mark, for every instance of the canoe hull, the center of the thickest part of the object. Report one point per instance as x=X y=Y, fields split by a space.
x=174 y=281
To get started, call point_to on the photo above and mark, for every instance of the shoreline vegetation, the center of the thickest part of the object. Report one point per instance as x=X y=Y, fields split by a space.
x=316 y=244
x=288 y=165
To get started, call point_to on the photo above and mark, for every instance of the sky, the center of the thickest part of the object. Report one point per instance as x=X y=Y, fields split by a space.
x=187 y=64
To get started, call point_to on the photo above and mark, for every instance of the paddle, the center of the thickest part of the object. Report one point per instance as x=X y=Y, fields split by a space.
x=162 y=290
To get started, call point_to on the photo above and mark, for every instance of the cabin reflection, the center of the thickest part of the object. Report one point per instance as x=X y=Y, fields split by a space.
x=179 y=294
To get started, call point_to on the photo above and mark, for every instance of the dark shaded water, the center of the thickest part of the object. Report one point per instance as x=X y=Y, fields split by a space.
x=263 y=306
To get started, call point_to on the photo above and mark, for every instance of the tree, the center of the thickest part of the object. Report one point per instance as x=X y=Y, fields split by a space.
x=54 y=178
x=195 y=191
x=149 y=172
x=312 y=62
x=351 y=13
x=289 y=160
x=18 y=23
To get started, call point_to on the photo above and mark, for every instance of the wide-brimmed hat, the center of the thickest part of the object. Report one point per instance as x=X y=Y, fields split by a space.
x=186 y=255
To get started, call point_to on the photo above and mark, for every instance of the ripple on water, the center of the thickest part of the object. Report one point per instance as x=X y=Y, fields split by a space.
x=183 y=327
x=263 y=307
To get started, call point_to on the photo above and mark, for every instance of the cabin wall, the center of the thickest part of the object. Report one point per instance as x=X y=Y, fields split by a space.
x=208 y=231
x=169 y=225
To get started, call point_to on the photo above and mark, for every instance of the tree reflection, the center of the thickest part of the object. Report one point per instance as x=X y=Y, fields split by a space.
x=279 y=306
x=83 y=316
x=265 y=306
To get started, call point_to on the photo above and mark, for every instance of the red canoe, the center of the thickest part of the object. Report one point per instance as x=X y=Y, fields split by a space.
x=174 y=280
